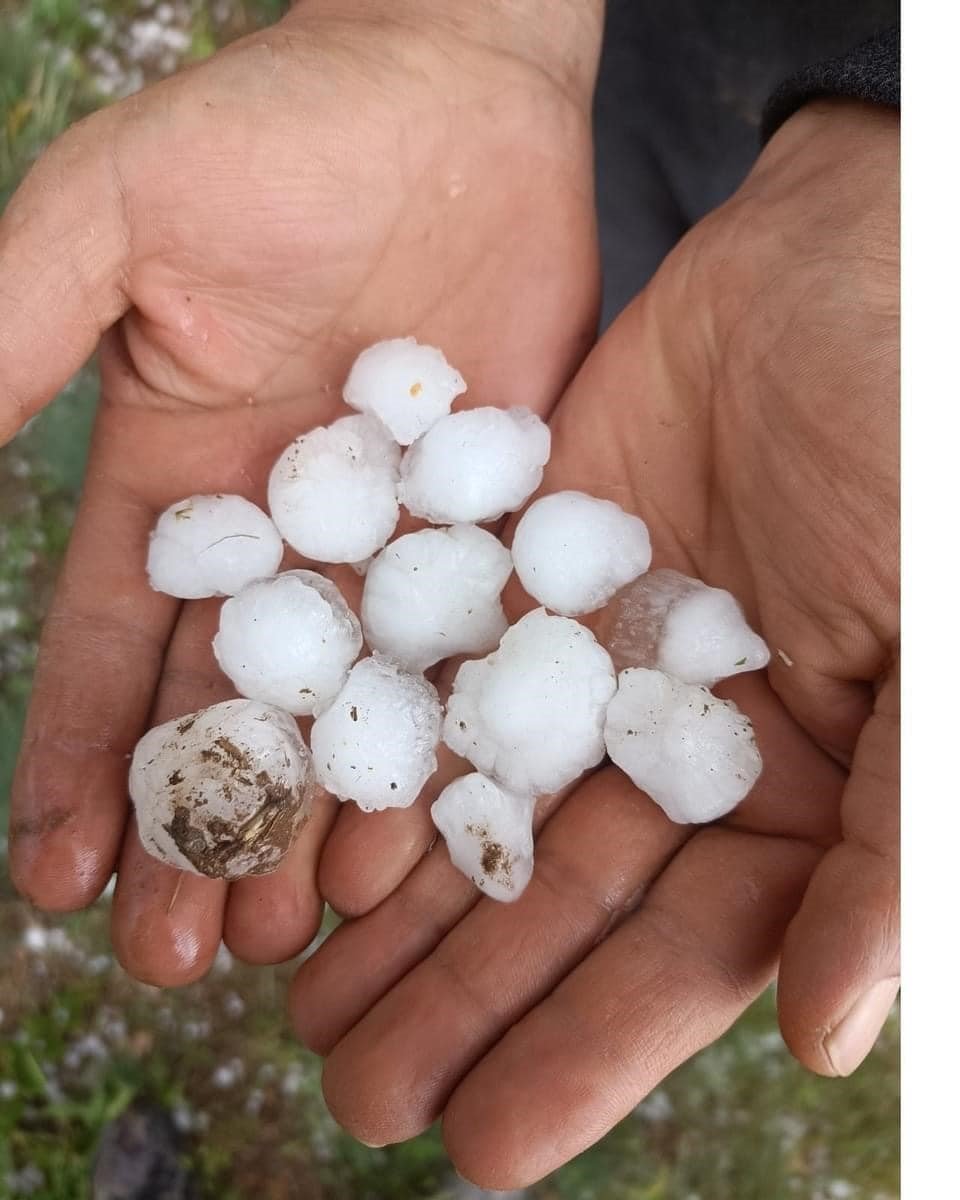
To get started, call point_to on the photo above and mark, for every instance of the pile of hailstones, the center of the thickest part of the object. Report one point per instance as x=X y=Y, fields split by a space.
x=224 y=792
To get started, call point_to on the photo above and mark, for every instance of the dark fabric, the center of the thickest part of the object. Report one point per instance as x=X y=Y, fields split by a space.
x=869 y=72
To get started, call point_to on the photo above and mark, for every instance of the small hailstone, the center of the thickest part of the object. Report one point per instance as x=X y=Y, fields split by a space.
x=531 y=713
x=436 y=593
x=288 y=641
x=376 y=743
x=407 y=385
x=211 y=546
x=696 y=633
x=333 y=492
x=475 y=465
x=224 y=791
x=573 y=551
x=489 y=834
x=692 y=753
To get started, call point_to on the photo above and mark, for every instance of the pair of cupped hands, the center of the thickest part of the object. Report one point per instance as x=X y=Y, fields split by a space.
x=230 y=239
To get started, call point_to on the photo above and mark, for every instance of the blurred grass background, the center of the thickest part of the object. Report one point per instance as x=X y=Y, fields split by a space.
x=79 y=1041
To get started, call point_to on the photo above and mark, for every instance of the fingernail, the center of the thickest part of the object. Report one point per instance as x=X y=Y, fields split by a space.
x=852 y=1040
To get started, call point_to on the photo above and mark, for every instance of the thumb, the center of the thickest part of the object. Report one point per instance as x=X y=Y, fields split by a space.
x=63 y=252
x=840 y=968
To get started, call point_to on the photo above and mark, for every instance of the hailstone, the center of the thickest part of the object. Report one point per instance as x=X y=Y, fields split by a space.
x=224 y=791
x=407 y=385
x=489 y=834
x=288 y=641
x=475 y=465
x=436 y=593
x=376 y=743
x=573 y=551
x=692 y=753
x=531 y=714
x=211 y=546
x=333 y=492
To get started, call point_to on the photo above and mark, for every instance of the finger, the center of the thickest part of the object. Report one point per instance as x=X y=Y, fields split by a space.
x=389 y=1077
x=100 y=655
x=63 y=254
x=669 y=981
x=841 y=959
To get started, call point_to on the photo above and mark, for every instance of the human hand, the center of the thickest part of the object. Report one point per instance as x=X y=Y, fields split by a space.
x=237 y=234
x=745 y=406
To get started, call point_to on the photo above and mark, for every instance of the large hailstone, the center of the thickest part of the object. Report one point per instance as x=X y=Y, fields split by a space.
x=436 y=593
x=211 y=546
x=679 y=625
x=531 y=713
x=406 y=385
x=489 y=834
x=692 y=753
x=222 y=792
x=288 y=641
x=475 y=465
x=573 y=551
x=376 y=743
x=333 y=492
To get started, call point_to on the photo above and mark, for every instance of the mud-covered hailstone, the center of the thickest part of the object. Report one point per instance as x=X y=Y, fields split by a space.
x=693 y=754
x=288 y=641
x=436 y=593
x=531 y=713
x=376 y=743
x=333 y=492
x=407 y=385
x=679 y=625
x=489 y=834
x=573 y=551
x=211 y=546
x=475 y=465
x=222 y=792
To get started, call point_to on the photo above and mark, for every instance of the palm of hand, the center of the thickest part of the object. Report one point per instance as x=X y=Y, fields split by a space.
x=264 y=216
x=759 y=445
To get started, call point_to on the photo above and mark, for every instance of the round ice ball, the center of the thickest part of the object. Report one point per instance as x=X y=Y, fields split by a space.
x=211 y=546
x=407 y=385
x=475 y=465
x=222 y=792
x=489 y=834
x=288 y=641
x=436 y=593
x=692 y=753
x=333 y=492
x=573 y=551
x=376 y=743
x=531 y=714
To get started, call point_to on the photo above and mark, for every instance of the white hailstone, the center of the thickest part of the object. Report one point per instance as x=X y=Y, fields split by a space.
x=531 y=713
x=573 y=551
x=211 y=546
x=288 y=641
x=406 y=385
x=436 y=593
x=679 y=625
x=489 y=834
x=376 y=743
x=222 y=792
x=333 y=492
x=475 y=465
x=692 y=753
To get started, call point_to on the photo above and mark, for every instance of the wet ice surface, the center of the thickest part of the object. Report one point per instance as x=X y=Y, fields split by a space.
x=288 y=641
x=376 y=743
x=531 y=714
x=224 y=791
x=694 y=754
x=489 y=834
x=679 y=625
x=211 y=546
